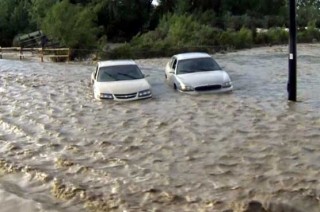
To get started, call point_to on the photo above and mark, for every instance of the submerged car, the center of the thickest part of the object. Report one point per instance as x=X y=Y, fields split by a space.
x=120 y=80
x=197 y=73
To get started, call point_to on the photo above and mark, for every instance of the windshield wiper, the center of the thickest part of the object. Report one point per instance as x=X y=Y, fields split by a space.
x=128 y=75
x=185 y=71
x=110 y=77
x=207 y=69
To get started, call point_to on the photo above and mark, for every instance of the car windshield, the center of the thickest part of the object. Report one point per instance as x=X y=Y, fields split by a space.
x=197 y=65
x=118 y=73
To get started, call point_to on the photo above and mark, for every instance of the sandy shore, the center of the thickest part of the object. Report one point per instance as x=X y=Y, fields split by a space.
x=61 y=150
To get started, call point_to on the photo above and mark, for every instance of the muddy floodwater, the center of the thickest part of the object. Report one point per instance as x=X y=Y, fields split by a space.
x=61 y=150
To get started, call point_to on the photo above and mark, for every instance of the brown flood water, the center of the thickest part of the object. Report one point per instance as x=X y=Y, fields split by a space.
x=61 y=150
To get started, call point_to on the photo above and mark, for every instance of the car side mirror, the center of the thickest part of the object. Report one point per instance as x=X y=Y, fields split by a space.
x=171 y=72
x=146 y=75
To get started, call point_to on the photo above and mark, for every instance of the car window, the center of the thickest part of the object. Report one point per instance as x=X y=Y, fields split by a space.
x=174 y=63
x=171 y=62
x=95 y=72
x=118 y=73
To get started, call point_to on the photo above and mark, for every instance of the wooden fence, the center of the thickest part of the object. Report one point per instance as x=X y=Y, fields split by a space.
x=54 y=54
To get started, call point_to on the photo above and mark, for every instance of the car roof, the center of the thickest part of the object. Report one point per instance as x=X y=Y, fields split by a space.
x=116 y=63
x=191 y=55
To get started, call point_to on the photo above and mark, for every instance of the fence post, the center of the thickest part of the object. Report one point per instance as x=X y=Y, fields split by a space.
x=21 y=53
x=0 y=52
x=41 y=54
x=68 y=59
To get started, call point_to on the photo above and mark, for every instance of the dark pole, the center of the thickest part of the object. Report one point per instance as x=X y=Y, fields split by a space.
x=292 y=81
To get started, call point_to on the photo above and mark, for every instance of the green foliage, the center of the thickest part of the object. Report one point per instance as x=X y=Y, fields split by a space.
x=4 y=22
x=274 y=21
x=307 y=14
x=243 y=39
x=19 y=16
x=182 y=7
x=124 y=19
x=172 y=26
x=272 y=36
x=39 y=9
x=309 y=34
x=185 y=30
x=308 y=3
x=237 y=22
x=13 y=19
x=278 y=36
x=207 y=17
x=122 y=52
x=236 y=39
x=178 y=33
x=72 y=25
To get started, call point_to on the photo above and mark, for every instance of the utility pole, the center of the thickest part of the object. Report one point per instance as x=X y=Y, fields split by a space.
x=292 y=79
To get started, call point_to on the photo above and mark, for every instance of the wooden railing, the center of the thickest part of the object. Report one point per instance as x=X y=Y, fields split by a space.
x=22 y=53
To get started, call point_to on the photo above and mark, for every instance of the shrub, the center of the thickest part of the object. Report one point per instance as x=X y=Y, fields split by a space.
x=243 y=38
x=309 y=34
x=272 y=36
x=237 y=39
x=175 y=33
x=122 y=52
x=72 y=25
x=238 y=22
x=278 y=35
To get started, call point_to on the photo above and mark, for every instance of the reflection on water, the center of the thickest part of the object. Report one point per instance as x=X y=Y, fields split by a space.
x=175 y=152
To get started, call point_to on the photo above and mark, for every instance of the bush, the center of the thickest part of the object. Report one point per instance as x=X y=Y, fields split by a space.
x=243 y=38
x=262 y=38
x=72 y=25
x=237 y=39
x=278 y=36
x=272 y=36
x=238 y=22
x=122 y=52
x=179 y=30
x=309 y=34
x=274 y=21
x=183 y=33
x=175 y=33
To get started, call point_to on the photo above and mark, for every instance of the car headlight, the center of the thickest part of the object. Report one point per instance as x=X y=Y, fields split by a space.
x=186 y=87
x=106 y=96
x=226 y=84
x=145 y=93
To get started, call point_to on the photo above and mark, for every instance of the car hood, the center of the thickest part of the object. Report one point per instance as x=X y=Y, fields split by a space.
x=204 y=78
x=122 y=87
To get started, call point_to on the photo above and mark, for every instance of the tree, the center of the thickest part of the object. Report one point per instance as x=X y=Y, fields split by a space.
x=308 y=12
x=307 y=3
x=73 y=25
x=14 y=19
x=166 y=6
x=39 y=10
x=123 y=19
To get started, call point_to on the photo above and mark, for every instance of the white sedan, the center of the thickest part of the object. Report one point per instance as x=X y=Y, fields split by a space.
x=119 y=80
x=197 y=73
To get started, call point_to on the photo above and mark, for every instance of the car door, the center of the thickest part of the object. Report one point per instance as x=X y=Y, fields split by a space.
x=171 y=70
x=94 y=75
x=94 y=80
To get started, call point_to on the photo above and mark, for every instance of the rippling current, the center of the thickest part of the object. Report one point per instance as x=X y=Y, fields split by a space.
x=61 y=150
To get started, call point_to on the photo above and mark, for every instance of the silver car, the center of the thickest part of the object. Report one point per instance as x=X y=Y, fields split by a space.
x=197 y=73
